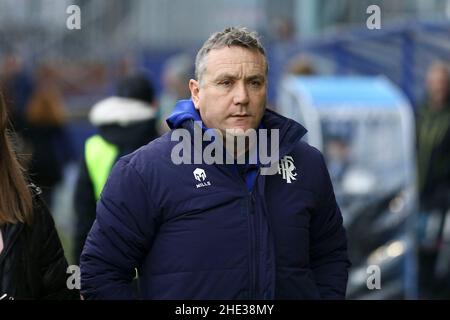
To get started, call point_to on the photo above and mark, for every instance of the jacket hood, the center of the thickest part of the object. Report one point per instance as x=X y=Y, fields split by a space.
x=290 y=130
x=131 y=137
x=120 y=111
x=184 y=110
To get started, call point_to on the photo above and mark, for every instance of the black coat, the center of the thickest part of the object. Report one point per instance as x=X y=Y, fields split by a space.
x=127 y=139
x=433 y=151
x=32 y=262
x=46 y=163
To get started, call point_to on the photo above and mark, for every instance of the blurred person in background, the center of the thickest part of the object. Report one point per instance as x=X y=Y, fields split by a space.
x=337 y=154
x=45 y=116
x=125 y=122
x=32 y=261
x=284 y=44
x=176 y=74
x=433 y=152
x=17 y=86
x=301 y=65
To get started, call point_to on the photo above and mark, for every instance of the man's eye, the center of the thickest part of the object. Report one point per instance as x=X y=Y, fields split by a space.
x=225 y=83
x=256 y=83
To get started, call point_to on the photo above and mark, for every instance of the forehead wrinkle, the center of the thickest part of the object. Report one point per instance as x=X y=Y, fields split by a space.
x=225 y=68
x=222 y=62
x=215 y=60
x=237 y=75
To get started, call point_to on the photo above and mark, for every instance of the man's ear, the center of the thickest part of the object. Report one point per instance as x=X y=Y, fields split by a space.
x=194 y=86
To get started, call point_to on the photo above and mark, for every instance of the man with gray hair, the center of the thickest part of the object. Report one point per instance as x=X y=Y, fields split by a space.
x=198 y=230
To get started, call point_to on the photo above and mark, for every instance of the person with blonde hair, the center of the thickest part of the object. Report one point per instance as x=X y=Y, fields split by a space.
x=32 y=261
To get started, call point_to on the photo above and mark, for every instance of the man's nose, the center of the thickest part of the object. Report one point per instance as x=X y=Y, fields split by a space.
x=240 y=94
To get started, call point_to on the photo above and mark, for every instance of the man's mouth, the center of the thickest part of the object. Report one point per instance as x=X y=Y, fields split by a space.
x=240 y=116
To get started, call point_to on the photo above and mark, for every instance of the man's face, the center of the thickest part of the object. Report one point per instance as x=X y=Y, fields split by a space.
x=232 y=91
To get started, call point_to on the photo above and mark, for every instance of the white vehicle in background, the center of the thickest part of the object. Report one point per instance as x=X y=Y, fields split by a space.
x=364 y=127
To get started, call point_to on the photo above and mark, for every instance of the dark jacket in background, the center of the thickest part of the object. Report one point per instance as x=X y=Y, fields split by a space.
x=18 y=90
x=433 y=154
x=112 y=119
x=47 y=161
x=32 y=262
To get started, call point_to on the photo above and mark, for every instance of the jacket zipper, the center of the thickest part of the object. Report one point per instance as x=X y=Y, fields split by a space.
x=253 y=237
x=254 y=256
x=251 y=218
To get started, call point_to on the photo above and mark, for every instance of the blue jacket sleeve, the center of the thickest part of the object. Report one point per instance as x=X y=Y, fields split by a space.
x=328 y=253
x=120 y=237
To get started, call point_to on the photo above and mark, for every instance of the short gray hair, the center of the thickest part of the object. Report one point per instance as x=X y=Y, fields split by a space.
x=231 y=36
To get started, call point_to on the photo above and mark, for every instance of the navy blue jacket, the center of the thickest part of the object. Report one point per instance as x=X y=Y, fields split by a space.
x=221 y=241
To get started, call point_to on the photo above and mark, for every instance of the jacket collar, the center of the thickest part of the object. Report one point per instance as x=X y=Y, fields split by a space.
x=290 y=132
